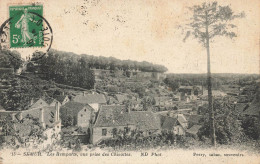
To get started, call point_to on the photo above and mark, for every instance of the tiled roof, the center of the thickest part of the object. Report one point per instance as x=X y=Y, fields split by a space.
x=60 y=98
x=145 y=120
x=90 y=98
x=194 y=129
x=169 y=123
x=38 y=103
x=113 y=115
x=121 y=97
x=161 y=117
x=112 y=100
x=73 y=108
x=48 y=99
x=181 y=118
x=194 y=118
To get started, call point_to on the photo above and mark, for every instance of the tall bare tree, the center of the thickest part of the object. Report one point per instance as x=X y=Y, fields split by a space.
x=209 y=21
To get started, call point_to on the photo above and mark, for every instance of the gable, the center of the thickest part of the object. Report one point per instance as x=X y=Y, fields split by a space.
x=39 y=103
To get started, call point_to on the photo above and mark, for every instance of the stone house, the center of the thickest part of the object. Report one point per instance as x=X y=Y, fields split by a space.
x=111 y=117
x=94 y=100
x=146 y=122
x=81 y=114
x=173 y=125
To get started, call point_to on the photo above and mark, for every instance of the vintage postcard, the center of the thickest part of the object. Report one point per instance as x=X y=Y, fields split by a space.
x=129 y=81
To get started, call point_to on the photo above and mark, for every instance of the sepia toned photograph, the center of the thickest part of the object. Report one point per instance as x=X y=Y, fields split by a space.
x=120 y=81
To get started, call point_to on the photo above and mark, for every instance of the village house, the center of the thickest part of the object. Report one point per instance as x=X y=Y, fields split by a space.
x=94 y=100
x=111 y=117
x=193 y=119
x=163 y=101
x=112 y=101
x=171 y=124
x=193 y=131
x=81 y=115
x=19 y=124
x=146 y=121
x=63 y=99
x=182 y=120
x=38 y=103
x=121 y=98
x=49 y=100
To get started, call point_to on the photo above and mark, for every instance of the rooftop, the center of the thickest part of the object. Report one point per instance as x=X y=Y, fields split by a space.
x=90 y=98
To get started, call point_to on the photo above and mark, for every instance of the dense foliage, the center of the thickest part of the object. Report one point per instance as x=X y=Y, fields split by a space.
x=34 y=137
x=218 y=80
x=65 y=68
x=228 y=127
x=21 y=92
x=251 y=127
x=10 y=59
x=135 y=139
x=110 y=63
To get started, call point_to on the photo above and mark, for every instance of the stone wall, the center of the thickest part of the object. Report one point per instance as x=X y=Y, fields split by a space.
x=97 y=132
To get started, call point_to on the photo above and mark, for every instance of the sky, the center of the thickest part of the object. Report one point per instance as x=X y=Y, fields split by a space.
x=147 y=30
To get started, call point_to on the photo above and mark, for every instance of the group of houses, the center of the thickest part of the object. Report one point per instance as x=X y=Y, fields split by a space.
x=89 y=117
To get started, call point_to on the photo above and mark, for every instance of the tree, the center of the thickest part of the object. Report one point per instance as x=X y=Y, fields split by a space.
x=10 y=59
x=228 y=127
x=209 y=21
x=172 y=83
x=251 y=127
x=20 y=94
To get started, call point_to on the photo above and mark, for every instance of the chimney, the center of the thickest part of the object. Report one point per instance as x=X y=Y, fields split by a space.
x=42 y=117
x=83 y=93
x=20 y=116
x=57 y=107
x=31 y=103
x=13 y=116
x=62 y=93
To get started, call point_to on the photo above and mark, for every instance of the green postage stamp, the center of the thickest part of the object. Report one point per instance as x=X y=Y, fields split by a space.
x=26 y=26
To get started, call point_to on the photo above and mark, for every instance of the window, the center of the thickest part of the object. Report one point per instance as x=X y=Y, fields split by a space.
x=85 y=110
x=81 y=115
x=104 y=132
x=126 y=129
